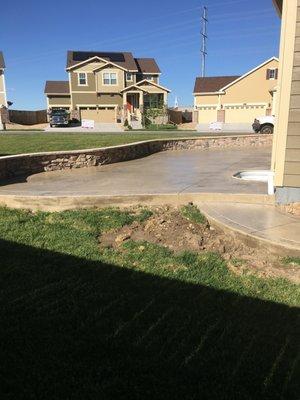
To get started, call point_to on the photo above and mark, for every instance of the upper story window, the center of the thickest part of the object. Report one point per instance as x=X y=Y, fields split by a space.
x=149 y=77
x=129 y=76
x=82 y=79
x=272 y=74
x=109 y=78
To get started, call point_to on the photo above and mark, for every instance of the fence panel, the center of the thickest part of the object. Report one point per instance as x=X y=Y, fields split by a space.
x=28 y=117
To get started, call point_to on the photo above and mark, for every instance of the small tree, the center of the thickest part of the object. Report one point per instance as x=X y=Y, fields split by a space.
x=152 y=112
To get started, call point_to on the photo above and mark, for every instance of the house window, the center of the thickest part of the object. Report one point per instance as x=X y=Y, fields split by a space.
x=129 y=76
x=82 y=79
x=109 y=78
x=149 y=77
x=272 y=74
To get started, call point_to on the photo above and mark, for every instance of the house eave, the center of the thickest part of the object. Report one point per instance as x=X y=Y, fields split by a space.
x=207 y=93
x=278 y=6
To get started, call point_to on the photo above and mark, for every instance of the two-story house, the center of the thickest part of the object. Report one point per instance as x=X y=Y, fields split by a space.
x=235 y=101
x=107 y=86
x=3 y=98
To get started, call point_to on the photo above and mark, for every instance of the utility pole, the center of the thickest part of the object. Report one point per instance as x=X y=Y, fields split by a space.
x=204 y=40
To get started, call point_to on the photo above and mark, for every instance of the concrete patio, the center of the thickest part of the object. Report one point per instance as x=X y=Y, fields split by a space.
x=173 y=177
x=183 y=171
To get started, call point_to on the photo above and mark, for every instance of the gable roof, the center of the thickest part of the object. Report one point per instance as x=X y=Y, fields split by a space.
x=147 y=65
x=251 y=72
x=122 y=59
x=57 y=87
x=145 y=81
x=2 y=63
x=213 y=84
x=221 y=83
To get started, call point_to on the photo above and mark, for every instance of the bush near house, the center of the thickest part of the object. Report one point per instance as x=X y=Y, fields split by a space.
x=166 y=127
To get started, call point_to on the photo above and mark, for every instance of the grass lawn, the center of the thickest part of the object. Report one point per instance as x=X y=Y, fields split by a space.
x=37 y=142
x=138 y=322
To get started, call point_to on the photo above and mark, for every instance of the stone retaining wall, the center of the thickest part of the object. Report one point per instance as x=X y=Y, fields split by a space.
x=27 y=164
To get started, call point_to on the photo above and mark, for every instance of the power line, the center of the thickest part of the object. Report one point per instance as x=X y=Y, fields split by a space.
x=204 y=40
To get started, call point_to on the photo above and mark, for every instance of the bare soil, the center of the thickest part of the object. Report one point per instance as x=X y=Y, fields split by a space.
x=293 y=209
x=188 y=126
x=26 y=127
x=168 y=227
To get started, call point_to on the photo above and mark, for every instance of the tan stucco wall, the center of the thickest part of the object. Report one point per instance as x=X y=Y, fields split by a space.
x=89 y=67
x=129 y=83
x=152 y=89
x=91 y=83
x=59 y=100
x=286 y=146
x=94 y=99
x=207 y=99
x=109 y=99
x=252 y=89
x=110 y=88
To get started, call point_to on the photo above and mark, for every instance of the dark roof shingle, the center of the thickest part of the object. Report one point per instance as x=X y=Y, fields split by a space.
x=2 y=63
x=57 y=87
x=147 y=65
x=213 y=83
x=123 y=59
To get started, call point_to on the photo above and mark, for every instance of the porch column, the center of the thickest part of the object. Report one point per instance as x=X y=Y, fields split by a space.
x=141 y=100
x=165 y=98
x=124 y=98
x=124 y=111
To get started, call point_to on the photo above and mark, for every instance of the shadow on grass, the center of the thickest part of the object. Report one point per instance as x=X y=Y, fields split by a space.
x=75 y=329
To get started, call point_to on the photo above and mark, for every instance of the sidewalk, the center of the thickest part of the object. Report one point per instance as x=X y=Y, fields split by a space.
x=257 y=224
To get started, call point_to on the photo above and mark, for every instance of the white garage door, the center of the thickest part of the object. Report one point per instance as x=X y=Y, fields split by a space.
x=243 y=114
x=103 y=114
x=206 y=115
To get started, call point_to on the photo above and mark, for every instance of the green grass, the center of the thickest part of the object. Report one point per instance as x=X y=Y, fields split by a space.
x=140 y=322
x=37 y=142
x=193 y=214
x=165 y=127
x=292 y=260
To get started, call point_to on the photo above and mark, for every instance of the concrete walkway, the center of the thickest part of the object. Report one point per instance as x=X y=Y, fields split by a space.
x=171 y=172
x=99 y=127
x=277 y=231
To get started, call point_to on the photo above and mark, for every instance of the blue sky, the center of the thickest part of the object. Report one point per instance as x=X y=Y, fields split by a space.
x=36 y=35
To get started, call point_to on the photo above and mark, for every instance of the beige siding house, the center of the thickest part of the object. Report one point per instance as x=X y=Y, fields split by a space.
x=3 y=98
x=107 y=87
x=235 y=101
x=286 y=145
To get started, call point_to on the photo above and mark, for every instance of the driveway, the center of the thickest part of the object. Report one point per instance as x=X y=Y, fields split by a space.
x=184 y=171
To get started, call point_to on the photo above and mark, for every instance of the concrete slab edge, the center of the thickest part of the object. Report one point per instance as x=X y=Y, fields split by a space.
x=252 y=240
x=63 y=203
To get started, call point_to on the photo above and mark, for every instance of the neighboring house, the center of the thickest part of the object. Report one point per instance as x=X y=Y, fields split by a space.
x=107 y=86
x=286 y=146
x=236 y=101
x=3 y=99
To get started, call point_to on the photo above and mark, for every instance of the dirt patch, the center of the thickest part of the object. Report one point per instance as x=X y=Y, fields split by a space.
x=188 y=126
x=293 y=208
x=168 y=227
x=14 y=126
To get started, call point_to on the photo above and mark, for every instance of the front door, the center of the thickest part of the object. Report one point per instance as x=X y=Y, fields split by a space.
x=132 y=102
